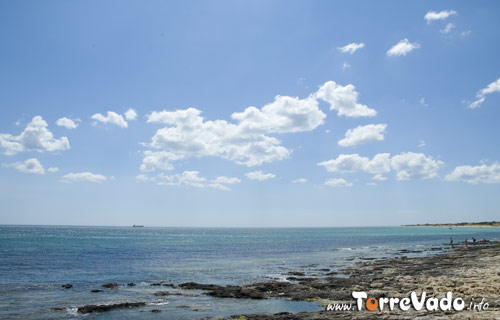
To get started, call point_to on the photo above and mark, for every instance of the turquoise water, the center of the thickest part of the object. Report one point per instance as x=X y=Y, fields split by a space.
x=36 y=260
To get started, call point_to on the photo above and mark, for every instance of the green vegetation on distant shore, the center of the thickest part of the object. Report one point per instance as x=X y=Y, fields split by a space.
x=460 y=224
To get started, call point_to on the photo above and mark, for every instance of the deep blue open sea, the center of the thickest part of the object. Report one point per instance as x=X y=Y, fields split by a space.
x=36 y=260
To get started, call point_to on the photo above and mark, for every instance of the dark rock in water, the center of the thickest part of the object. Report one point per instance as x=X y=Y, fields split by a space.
x=131 y=284
x=108 y=307
x=96 y=290
x=113 y=286
x=161 y=293
x=67 y=286
x=58 y=308
x=156 y=310
x=169 y=285
x=297 y=273
x=198 y=286
x=157 y=283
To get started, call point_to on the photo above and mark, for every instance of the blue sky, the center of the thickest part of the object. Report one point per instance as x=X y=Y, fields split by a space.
x=262 y=113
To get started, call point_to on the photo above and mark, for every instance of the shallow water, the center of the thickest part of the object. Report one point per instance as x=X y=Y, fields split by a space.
x=36 y=260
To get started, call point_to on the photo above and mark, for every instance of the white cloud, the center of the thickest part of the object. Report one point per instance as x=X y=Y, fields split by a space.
x=190 y=178
x=143 y=177
x=66 y=123
x=351 y=47
x=407 y=165
x=481 y=95
x=422 y=102
x=191 y=136
x=187 y=178
x=83 y=177
x=35 y=137
x=363 y=134
x=222 y=182
x=115 y=118
x=478 y=174
x=442 y=15
x=300 y=180
x=354 y=162
x=226 y=180
x=379 y=177
x=158 y=160
x=259 y=175
x=450 y=26
x=338 y=182
x=285 y=114
x=410 y=165
x=344 y=99
x=29 y=166
x=247 y=140
x=345 y=66
x=130 y=114
x=421 y=144
x=53 y=169
x=402 y=48
x=465 y=33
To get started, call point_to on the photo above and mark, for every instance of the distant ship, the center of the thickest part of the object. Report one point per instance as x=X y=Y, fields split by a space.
x=137 y=226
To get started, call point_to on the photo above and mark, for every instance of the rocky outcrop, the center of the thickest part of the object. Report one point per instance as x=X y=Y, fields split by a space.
x=91 y=308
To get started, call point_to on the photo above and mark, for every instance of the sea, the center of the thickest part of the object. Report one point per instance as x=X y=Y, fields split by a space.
x=35 y=261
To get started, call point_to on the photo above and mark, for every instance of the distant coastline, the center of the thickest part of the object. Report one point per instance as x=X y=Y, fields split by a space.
x=459 y=224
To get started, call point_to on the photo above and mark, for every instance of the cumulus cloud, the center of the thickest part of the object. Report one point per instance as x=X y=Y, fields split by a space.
x=410 y=165
x=222 y=182
x=343 y=99
x=188 y=134
x=247 y=139
x=111 y=117
x=130 y=114
x=300 y=180
x=187 y=178
x=354 y=162
x=442 y=15
x=66 y=123
x=402 y=48
x=35 y=137
x=53 y=169
x=115 y=118
x=338 y=182
x=422 y=102
x=345 y=66
x=363 y=134
x=450 y=26
x=259 y=175
x=407 y=165
x=83 y=177
x=158 y=160
x=351 y=47
x=379 y=177
x=474 y=175
x=465 y=33
x=28 y=166
x=284 y=114
x=481 y=95
x=191 y=179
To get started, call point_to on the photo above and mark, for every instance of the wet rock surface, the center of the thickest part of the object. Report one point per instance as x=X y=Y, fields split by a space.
x=467 y=272
x=91 y=308
x=112 y=286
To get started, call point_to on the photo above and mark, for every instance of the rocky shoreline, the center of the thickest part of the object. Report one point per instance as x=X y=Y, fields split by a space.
x=471 y=272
